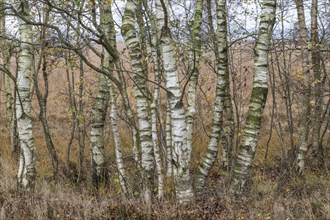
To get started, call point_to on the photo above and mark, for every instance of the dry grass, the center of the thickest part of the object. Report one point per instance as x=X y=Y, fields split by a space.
x=274 y=194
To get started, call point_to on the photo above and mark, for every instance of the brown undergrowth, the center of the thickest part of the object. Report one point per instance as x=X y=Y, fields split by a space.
x=275 y=193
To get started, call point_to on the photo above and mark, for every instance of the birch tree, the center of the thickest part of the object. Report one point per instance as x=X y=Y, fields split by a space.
x=154 y=105
x=110 y=32
x=140 y=90
x=168 y=142
x=305 y=111
x=222 y=69
x=117 y=141
x=99 y=110
x=155 y=109
x=182 y=177
x=100 y=106
x=26 y=172
x=196 y=41
x=247 y=148
x=318 y=150
x=6 y=55
x=227 y=133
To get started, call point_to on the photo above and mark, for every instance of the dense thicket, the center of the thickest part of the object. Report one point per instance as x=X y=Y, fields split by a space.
x=160 y=92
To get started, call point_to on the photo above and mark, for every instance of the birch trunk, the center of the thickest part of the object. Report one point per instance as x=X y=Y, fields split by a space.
x=159 y=23
x=117 y=141
x=247 y=149
x=110 y=32
x=305 y=113
x=154 y=107
x=142 y=35
x=222 y=69
x=99 y=110
x=227 y=136
x=168 y=140
x=27 y=172
x=183 y=184
x=160 y=16
x=8 y=84
x=8 y=90
x=142 y=105
x=318 y=151
x=196 y=41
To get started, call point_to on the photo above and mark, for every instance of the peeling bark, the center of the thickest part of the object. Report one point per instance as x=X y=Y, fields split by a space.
x=140 y=89
x=99 y=110
x=180 y=153
x=27 y=171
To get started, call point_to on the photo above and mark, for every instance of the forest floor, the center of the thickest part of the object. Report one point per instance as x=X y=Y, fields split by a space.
x=275 y=193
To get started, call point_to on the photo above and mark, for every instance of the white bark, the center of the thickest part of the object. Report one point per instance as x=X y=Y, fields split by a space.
x=157 y=63
x=305 y=114
x=222 y=68
x=26 y=178
x=252 y=128
x=105 y=93
x=183 y=185
x=117 y=141
x=191 y=99
x=160 y=16
x=227 y=136
x=168 y=140
x=100 y=106
x=8 y=81
x=99 y=110
x=142 y=105
x=158 y=160
x=154 y=106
